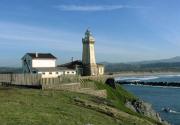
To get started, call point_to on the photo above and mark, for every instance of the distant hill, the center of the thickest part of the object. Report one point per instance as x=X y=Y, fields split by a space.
x=171 y=64
x=170 y=60
x=10 y=70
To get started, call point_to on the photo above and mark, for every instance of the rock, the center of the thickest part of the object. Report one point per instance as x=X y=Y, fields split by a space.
x=145 y=109
x=111 y=82
x=130 y=106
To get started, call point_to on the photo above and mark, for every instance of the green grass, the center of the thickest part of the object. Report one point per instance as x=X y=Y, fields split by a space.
x=118 y=96
x=38 y=107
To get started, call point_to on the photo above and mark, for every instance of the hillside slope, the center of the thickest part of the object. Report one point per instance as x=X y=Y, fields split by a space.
x=37 y=107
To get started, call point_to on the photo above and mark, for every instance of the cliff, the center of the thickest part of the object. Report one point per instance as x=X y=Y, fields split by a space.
x=145 y=109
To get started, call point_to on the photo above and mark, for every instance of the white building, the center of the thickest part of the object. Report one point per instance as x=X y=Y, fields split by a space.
x=45 y=64
x=54 y=72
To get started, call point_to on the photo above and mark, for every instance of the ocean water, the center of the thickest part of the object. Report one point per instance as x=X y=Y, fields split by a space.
x=159 y=97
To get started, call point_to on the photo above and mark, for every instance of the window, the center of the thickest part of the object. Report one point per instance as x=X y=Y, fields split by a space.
x=50 y=72
x=57 y=72
x=43 y=73
x=73 y=72
x=67 y=72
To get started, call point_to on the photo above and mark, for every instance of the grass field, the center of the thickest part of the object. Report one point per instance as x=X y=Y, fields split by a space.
x=20 y=106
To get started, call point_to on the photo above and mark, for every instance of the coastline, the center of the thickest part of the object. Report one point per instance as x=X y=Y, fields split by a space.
x=159 y=96
x=169 y=87
x=142 y=73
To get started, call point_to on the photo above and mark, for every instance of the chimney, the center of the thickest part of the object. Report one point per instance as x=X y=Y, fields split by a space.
x=36 y=54
x=72 y=59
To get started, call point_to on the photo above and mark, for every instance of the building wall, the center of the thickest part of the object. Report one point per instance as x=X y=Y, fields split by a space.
x=88 y=56
x=85 y=54
x=37 y=63
x=89 y=61
x=51 y=74
x=92 y=54
x=24 y=64
x=56 y=74
x=70 y=72
x=100 y=70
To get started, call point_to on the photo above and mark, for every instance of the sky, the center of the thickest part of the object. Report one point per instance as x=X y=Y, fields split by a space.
x=125 y=30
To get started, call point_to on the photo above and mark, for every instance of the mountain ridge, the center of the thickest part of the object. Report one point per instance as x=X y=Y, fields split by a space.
x=168 y=60
x=162 y=65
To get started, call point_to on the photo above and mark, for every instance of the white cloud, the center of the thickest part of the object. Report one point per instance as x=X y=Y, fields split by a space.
x=94 y=7
x=38 y=37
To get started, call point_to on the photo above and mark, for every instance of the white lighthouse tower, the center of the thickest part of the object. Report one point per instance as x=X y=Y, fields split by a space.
x=88 y=56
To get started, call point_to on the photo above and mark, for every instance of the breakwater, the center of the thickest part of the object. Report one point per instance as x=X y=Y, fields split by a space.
x=163 y=84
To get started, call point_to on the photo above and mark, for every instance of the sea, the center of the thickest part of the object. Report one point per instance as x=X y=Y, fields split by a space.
x=159 y=97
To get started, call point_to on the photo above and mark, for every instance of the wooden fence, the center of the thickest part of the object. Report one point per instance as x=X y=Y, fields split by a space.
x=21 y=79
x=60 y=82
x=36 y=80
x=64 y=79
x=70 y=83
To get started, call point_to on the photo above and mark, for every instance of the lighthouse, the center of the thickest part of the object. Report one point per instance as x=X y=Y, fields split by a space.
x=88 y=55
x=88 y=65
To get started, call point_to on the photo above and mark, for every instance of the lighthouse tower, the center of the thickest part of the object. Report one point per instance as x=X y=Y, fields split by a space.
x=88 y=55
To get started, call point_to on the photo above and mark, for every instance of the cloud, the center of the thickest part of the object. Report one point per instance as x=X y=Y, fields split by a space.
x=94 y=7
x=19 y=35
